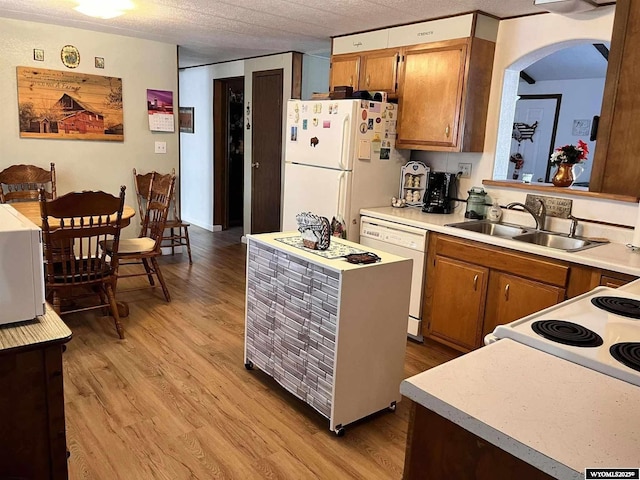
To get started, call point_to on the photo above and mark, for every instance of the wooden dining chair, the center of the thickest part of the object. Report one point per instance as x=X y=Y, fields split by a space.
x=74 y=228
x=145 y=249
x=176 y=231
x=20 y=183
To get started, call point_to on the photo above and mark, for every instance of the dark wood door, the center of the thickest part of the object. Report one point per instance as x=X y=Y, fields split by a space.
x=266 y=151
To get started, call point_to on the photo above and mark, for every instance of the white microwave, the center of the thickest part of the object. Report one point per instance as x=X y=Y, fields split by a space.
x=22 y=294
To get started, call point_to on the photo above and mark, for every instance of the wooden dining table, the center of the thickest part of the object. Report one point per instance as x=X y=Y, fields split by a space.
x=31 y=210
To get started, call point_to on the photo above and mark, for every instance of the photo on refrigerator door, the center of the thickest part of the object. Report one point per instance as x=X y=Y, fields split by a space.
x=294 y=134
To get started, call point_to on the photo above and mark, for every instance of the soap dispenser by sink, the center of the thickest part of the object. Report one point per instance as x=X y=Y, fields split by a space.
x=476 y=203
x=494 y=213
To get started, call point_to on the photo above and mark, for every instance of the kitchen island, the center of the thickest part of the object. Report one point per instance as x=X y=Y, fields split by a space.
x=510 y=411
x=330 y=332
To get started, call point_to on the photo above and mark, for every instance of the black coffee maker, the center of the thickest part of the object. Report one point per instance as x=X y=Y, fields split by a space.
x=440 y=192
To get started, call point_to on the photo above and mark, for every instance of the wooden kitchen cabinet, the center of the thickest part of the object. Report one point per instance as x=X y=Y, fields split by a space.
x=617 y=139
x=345 y=71
x=375 y=71
x=438 y=448
x=457 y=301
x=32 y=430
x=472 y=287
x=515 y=297
x=444 y=94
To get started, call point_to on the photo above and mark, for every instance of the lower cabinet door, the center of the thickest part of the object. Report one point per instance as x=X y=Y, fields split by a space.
x=511 y=297
x=456 y=302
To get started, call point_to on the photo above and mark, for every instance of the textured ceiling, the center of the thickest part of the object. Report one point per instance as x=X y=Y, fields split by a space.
x=209 y=31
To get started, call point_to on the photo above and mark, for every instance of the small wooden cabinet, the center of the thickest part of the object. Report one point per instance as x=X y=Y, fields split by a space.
x=457 y=301
x=514 y=297
x=32 y=430
x=345 y=71
x=472 y=287
x=444 y=94
x=375 y=71
x=438 y=448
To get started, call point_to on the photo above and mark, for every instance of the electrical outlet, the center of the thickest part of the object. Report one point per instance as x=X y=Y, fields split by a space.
x=161 y=147
x=465 y=169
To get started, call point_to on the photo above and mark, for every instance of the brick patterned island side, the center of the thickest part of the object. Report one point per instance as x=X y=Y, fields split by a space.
x=331 y=333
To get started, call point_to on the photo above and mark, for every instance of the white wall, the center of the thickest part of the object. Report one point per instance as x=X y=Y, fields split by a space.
x=581 y=99
x=196 y=90
x=196 y=149
x=522 y=41
x=315 y=75
x=83 y=164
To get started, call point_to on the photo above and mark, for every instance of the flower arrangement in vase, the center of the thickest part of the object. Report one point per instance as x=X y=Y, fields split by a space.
x=566 y=158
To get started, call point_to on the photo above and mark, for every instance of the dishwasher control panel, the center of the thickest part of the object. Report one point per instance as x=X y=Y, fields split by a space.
x=395 y=234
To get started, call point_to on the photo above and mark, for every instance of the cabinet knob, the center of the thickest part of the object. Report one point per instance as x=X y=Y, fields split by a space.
x=506 y=292
x=368 y=80
x=475 y=283
x=351 y=81
x=446 y=131
x=256 y=165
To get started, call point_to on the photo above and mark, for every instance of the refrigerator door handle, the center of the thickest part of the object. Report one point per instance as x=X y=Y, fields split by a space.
x=340 y=203
x=345 y=139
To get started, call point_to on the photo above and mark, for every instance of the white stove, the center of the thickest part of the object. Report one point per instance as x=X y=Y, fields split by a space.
x=603 y=336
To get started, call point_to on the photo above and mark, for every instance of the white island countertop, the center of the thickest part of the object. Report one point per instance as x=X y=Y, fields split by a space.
x=611 y=256
x=338 y=264
x=553 y=414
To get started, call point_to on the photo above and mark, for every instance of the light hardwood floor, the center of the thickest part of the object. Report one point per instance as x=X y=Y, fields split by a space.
x=174 y=401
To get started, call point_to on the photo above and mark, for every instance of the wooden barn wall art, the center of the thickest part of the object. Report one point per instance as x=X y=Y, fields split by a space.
x=69 y=105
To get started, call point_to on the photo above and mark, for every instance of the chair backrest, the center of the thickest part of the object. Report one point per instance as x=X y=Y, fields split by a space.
x=19 y=183
x=142 y=183
x=157 y=206
x=75 y=228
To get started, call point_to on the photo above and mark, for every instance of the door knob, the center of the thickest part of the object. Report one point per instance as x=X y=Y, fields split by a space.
x=256 y=165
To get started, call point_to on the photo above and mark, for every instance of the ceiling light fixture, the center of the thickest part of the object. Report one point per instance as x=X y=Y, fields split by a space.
x=566 y=6
x=102 y=9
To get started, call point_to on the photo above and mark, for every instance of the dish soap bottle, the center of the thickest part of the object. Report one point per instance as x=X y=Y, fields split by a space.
x=494 y=213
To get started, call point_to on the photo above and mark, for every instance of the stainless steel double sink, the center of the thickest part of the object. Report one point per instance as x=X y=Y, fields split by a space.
x=558 y=241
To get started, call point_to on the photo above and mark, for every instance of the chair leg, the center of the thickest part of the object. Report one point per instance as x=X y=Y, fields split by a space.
x=165 y=290
x=103 y=300
x=114 y=310
x=173 y=241
x=56 y=302
x=186 y=236
x=149 y=271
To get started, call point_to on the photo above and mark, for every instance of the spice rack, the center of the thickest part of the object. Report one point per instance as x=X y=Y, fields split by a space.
x=413 y=181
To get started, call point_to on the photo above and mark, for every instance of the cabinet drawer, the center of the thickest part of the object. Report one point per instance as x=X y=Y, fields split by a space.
x=502 y=259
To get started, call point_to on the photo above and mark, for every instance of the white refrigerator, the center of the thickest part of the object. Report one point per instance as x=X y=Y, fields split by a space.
x=339 y=158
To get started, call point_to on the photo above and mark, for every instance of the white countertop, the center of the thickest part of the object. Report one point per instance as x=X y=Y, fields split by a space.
x=612 y=256
x=337 y=264
x=556 y=415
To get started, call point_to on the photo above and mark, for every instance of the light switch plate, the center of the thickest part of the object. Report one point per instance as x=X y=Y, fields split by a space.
x=161 y=147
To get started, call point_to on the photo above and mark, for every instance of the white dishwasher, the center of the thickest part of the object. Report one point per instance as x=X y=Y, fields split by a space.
x=407 y=242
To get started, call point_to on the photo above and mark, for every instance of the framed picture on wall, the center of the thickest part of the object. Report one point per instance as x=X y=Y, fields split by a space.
x=185 y=119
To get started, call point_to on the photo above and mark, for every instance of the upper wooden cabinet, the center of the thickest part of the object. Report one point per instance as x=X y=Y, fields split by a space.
x=615 y=169
x=375 y=71
x=444 y=94
x=380 y=71
x=345 y=71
